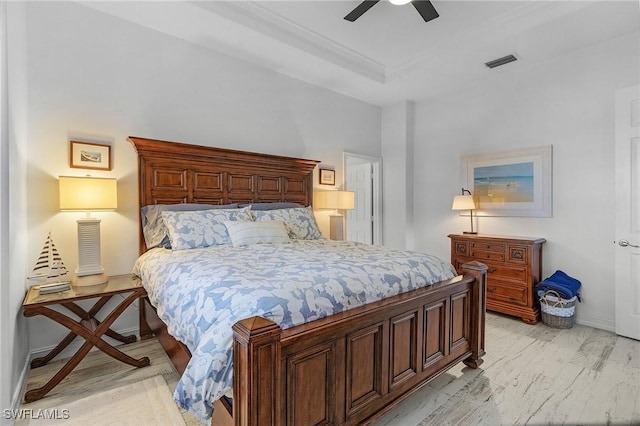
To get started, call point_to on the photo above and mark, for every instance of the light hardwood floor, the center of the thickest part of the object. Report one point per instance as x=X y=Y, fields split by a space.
x=534 y=375
x=531 y=375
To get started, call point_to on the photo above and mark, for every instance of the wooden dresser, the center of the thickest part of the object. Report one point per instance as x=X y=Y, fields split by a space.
x=515 y=266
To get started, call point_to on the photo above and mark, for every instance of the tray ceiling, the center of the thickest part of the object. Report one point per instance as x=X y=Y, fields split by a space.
x=389 y=54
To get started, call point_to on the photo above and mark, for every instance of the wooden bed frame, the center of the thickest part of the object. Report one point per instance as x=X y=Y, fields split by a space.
x=348 y=368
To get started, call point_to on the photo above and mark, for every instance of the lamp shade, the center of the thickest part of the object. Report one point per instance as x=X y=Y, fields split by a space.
x=334 y=200
x=463 y=202
x=88 y=193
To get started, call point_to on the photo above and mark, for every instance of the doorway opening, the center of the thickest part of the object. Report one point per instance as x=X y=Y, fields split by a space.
x=363 y=175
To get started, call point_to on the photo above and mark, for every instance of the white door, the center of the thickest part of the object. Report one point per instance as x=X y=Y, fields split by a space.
x=359 y=220
x=627 y=252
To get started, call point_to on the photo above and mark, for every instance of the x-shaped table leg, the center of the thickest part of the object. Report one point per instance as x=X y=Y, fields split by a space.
x=83 y=315
x=89 y=328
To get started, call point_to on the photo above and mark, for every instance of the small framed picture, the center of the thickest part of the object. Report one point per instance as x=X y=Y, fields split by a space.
x=85 y=155
x=327 y=177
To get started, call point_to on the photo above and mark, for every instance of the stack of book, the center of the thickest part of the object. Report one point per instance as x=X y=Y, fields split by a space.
x=54 y=287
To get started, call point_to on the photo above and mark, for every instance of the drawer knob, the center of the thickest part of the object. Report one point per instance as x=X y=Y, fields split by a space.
x=491 y=289
x=492 y=270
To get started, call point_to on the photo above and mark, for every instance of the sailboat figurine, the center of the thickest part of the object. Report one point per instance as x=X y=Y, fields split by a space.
x=49 y=267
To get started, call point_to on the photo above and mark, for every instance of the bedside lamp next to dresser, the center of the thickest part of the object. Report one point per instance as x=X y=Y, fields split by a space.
x=515 y=267
x=465 y=202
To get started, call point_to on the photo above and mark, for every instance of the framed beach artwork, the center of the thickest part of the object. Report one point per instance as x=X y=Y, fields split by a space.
x=511 y=183
x=85 y=155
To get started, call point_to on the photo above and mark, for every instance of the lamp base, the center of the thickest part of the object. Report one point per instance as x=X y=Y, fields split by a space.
x=470 y=232
x=336 y=227
x=89 y=280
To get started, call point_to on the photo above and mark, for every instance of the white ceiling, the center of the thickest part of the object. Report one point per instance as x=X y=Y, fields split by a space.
x=389 y=54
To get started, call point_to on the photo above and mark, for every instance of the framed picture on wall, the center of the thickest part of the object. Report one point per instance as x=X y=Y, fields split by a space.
x=85 y=155
x=327 y=177
x=511 y=183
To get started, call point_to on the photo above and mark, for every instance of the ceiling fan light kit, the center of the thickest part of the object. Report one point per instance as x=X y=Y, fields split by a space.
x=424 y=8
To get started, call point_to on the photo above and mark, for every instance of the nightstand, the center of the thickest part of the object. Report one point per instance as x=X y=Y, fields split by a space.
x=87 y=326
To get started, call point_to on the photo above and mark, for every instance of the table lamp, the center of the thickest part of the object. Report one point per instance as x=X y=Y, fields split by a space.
x=87 y=194
x=465 y=202
x=335 y=200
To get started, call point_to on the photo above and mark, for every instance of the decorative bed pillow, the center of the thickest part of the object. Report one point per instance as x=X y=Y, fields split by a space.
x=266 y=232
x=202 y=228
x=272 y=206
x=300 y=222
x=153 y=229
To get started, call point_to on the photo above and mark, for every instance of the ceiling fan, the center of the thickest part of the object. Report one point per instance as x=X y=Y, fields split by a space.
x=424 y=8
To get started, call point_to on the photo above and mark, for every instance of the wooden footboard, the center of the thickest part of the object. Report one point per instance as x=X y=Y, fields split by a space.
x=352 y=367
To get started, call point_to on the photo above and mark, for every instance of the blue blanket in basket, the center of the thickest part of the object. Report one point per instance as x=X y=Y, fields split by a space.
x=563 y=284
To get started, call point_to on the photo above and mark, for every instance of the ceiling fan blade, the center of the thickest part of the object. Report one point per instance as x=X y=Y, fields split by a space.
x=425 y=9
x=360 y=9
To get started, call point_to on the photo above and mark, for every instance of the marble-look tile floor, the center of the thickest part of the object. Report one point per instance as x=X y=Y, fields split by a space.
x=534 y=375
x=531 y=375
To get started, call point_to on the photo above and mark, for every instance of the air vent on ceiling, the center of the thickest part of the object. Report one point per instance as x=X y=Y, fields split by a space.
x=501 y=61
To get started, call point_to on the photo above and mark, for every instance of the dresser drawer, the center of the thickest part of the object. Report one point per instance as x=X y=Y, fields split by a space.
x=506 y=292
x=489 y=246
x=518 y=254
x=458 y=262
x=461 y=248
x=482 y=255
x=509 y=272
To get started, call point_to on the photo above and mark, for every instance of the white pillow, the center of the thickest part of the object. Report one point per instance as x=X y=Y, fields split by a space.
x=202 y=228
x=153 y=228
x=266 y=232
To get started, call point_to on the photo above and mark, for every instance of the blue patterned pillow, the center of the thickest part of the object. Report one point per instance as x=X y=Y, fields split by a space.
x=153 y=229
x=300 y=222
x=201 y=228
x=272 y=206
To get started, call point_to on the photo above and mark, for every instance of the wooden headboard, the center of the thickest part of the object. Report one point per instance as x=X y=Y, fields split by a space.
x=172 y=172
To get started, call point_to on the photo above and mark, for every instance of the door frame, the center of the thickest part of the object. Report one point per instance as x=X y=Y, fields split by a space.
x=376 y=196
x=624 y=256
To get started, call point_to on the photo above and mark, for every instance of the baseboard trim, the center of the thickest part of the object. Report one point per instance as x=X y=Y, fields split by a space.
x=600 y=323
x=22 y=383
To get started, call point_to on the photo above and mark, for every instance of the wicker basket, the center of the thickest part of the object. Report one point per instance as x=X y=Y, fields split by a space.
x=556 y=311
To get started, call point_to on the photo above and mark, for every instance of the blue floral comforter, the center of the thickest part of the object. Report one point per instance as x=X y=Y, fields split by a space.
x=201 y=293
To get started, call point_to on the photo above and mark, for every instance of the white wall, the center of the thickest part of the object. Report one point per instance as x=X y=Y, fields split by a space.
x=6 y=332
x=95 y=77
x=13 y=224
x=568 y=103
x=397 y=187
